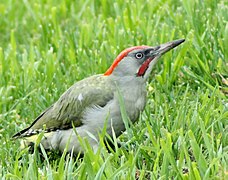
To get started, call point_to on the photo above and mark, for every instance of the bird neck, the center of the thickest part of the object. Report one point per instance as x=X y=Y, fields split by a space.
x=128 y=82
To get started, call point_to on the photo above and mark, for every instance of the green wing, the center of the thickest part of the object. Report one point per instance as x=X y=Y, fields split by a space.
x=69 y=108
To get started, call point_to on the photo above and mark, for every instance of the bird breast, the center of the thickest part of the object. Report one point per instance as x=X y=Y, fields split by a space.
x=133 y=91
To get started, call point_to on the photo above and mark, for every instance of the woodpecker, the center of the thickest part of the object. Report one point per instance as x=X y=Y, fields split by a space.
x=86 y=106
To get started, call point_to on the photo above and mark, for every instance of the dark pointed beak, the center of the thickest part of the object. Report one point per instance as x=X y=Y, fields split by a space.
x=163 y=48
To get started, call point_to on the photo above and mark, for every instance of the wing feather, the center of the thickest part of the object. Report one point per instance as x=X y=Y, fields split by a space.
x=95 y=90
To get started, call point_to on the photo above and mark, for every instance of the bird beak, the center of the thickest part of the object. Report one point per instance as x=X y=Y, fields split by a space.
x=153 y=54
x=163 y=48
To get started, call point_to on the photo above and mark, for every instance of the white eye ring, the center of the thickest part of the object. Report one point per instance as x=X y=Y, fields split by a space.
x=139 y=55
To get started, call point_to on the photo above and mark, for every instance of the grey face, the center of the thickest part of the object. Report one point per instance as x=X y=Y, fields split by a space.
x=136 y=60
x=143 y=54
x=140 y=62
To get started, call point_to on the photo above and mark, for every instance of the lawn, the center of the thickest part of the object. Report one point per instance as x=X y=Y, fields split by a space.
x=46 y=46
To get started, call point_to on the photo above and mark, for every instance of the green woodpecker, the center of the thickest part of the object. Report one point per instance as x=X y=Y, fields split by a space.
x=90 y=103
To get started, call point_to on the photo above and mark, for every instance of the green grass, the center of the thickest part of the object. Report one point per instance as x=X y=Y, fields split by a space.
x=46 y=46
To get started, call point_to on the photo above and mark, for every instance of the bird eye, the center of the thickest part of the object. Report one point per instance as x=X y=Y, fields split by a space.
x=139 y=55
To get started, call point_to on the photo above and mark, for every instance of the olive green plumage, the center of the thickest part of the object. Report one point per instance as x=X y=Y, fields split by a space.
x=68 y=110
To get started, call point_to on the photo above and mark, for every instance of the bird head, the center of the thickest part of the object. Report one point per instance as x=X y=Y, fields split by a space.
x=139 y=60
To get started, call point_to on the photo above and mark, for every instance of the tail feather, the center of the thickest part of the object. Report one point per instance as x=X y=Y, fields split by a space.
x=20 y=133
